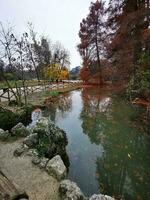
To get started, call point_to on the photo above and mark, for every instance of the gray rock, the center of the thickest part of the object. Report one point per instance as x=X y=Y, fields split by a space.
x=4 y=134
x=31 y=140
x=31 y=152
x=57 y=168
x=70 y=191
x=41 y=126
x=19 y=151
x=101 y=197
x=43 y=162
x=36 y=160
x=20 y=130
x=22 y=149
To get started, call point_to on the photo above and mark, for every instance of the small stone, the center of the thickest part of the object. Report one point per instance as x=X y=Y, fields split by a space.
x=57 y=168
x=70 y=190
x=43 y=162
x=31 y=140
x=101 y=197
x=36 y=160
x=25 y=146
x=31 y=152
x=19 y=151
x=4 y=134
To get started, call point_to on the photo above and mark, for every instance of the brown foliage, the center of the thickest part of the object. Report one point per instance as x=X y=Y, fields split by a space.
x=120 y=40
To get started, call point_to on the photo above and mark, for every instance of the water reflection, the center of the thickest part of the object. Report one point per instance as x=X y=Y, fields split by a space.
x=108 y=153
x=35 y=115
x=59 y=107
x=93 y=105
x=123 y=169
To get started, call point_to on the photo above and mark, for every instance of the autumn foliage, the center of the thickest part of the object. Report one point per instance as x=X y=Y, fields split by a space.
x=113 y=39
x=56 y=72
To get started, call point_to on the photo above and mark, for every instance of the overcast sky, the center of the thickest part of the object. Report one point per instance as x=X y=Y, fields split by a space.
x=57 y=19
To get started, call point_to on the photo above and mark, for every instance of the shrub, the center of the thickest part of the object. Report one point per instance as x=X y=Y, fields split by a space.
x=139 y=85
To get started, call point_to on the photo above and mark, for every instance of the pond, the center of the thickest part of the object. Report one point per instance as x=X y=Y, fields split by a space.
x=108 y=147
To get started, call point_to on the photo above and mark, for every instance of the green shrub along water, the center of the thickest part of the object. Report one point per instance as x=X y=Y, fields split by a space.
x=139 y=85
x=8 y=119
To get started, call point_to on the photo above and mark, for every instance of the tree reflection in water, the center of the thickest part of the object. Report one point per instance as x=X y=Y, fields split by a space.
x=123 y=170
x=60 y=107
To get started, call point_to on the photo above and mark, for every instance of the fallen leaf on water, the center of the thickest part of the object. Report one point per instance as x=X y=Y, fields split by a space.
x=129 y=155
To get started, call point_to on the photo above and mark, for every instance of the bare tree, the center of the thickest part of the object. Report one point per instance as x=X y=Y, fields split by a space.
x=8 y=52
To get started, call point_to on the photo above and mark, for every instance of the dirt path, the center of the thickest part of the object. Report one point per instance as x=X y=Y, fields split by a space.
x=37 y=183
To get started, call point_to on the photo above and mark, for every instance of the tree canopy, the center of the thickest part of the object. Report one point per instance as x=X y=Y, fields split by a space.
x=114 y=39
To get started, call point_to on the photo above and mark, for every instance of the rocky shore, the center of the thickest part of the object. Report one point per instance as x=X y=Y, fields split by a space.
x=38 y=162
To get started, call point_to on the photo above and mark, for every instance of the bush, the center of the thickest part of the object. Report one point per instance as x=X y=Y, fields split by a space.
x=9 y=119
x=139 y=85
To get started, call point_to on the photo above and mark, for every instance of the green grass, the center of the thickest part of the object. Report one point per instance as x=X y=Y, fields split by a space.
x=51 y=93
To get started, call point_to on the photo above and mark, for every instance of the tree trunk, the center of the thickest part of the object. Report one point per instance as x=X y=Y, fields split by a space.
x=98 y=57
x=98 y=62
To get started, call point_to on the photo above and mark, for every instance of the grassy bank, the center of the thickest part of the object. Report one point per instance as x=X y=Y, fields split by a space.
x=39 y=97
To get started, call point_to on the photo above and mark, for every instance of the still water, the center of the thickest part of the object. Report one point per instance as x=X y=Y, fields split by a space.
x=108 y=147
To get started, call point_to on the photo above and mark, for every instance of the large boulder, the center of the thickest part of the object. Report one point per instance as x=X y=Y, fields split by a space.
x=4 y=134
x=101 y=197
x=56 y=167
x=20 y=130
x=51 y=139
x=31 y=140
x=70 y=191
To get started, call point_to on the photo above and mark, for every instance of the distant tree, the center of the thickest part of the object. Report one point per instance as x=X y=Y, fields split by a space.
x=75 y=73
x=31 y=56
x=61 y=55
x=52 y=71
x=64 y=73
x=22 y=63
x=8 y=52
x=56 y=72
x=43 y=53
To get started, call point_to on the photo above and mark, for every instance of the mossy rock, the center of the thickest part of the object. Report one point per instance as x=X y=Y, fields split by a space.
x=20 y=130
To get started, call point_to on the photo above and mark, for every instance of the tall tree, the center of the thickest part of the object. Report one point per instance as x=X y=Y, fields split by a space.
x=127 y=21
x=91 y=36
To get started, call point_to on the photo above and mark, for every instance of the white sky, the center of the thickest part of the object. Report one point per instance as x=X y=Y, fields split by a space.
x=57 y=19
